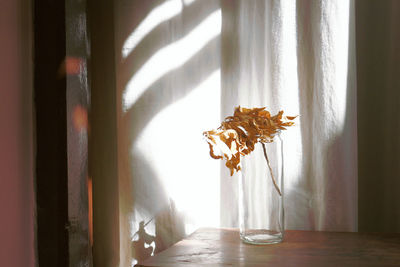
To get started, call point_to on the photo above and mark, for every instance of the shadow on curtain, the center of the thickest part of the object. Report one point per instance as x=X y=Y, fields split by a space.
x=168 y=89
x=177 y=73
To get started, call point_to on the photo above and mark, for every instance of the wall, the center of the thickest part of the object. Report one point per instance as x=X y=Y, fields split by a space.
x=16 y=134
x=103 y=135
x=378 y=83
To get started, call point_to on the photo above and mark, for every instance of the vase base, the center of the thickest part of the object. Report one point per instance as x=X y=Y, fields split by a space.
x=261 y=237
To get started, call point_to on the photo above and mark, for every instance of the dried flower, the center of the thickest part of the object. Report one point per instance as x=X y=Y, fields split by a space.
x=239 y=133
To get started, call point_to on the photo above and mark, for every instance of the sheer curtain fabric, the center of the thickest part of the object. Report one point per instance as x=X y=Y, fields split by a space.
x=182 y=66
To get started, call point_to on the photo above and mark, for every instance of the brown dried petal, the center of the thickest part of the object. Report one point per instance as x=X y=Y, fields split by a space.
x=245 y=128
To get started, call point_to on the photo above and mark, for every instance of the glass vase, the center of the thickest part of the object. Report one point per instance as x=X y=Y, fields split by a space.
x=261 y=214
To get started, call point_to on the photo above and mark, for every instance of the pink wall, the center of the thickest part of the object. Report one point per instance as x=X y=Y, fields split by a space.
x=16 y=135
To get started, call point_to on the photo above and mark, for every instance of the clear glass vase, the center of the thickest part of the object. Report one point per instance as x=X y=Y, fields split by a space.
x=261 y=214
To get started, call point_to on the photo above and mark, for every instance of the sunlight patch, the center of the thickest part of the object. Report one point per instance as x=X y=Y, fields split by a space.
x=181 y=160
x=157 y=16
x=171 y=57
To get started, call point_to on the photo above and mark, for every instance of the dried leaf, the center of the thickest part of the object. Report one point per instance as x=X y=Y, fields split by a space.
x=238 y=134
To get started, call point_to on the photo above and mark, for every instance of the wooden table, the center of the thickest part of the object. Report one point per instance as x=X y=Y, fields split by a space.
x=222 y=247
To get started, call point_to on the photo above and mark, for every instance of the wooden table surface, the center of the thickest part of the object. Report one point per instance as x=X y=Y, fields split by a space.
x=222 y=247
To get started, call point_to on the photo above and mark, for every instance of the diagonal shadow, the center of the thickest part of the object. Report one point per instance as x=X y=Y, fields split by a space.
x=197 y=69
x=141 y=189
x=161 y=36
x=131 y=14
x=146 y=190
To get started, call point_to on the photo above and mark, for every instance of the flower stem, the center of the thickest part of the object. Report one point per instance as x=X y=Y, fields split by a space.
x=270 y=170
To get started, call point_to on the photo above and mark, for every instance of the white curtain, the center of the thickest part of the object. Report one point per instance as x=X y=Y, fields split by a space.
x=299 y=57
x=182 y=66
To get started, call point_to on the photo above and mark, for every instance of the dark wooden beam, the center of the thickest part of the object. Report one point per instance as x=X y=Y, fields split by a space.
x=51 y=133
x=62 y=97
